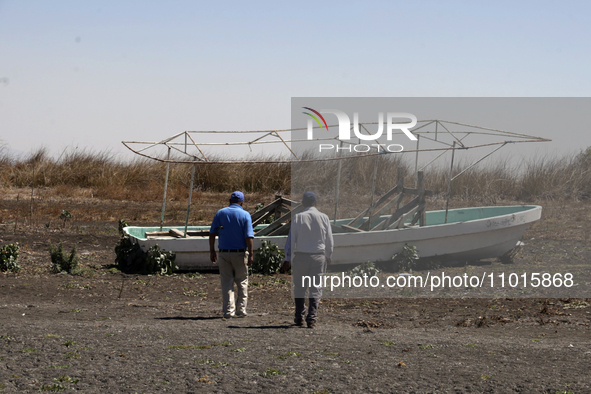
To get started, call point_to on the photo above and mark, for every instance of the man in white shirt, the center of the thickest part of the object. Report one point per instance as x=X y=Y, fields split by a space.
x=310 y=240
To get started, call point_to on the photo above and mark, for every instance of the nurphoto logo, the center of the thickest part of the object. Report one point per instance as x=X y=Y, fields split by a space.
x=345 y=129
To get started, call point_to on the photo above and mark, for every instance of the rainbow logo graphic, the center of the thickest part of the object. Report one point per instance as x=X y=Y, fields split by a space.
x=315 y=118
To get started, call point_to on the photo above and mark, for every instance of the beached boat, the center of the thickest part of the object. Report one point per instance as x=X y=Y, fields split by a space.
x=378 y=232
x=469 y=234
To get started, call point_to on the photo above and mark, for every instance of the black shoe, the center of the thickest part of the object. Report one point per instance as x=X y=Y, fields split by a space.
x=311 y=324
x=298 y=322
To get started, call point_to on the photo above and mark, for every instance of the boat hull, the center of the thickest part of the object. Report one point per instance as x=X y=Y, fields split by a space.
x=469 y=234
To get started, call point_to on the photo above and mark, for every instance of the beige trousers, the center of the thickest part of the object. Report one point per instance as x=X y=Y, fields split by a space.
x=234 y=269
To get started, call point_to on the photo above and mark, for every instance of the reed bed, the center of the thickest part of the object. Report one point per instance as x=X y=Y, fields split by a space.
x=103 y=176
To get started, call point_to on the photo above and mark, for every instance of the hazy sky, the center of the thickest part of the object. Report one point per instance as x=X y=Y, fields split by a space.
x=90 y=74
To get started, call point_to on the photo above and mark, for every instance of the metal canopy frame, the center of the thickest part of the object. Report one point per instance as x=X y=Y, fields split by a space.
x=190 y=151
x=447 y=136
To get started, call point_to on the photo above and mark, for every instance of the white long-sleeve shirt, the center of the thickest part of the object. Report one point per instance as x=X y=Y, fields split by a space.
x=310 y=232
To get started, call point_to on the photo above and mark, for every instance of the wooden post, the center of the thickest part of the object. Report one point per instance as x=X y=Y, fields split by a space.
x=400 y=186
x=421 y=187
x=417 y=161
x=451 y=168
x=373 y=190
x=190 y=195
x=277 y=212
x=165 y=189
x=336 y=198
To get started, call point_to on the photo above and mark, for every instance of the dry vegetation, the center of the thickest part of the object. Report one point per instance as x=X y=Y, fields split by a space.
x=88 y=176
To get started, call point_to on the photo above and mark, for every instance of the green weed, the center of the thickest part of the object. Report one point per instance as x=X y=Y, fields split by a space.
x=195 y=293
x=272 y=372
x=9 y=258
x=60 y=260
x=66 y=379
x=267 y=259
x=55 y=387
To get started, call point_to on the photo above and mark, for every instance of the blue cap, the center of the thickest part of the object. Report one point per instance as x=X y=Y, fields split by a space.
x=309 y=199
x=237 y=196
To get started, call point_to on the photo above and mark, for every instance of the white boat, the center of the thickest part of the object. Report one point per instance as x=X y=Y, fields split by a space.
x=456 y=234
x=469 y=234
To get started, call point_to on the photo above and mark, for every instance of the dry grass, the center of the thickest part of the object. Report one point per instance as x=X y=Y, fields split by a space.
x=76 y=180
x=137 y=180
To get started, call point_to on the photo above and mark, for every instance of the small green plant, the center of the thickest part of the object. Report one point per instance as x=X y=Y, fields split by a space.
x=131 y=259
x=407 y=257
x=122 y=225
x=9 y=258
x=160 y=261
x=272 y=372
x=367 y=268
x=69 y=343
x=65 y=216
x=66 y=379
x=129 y=256
x=194 y=293
x=52 y=387
x=267 y=259
x=30 y=350
x=214 y=363
x=60 y=260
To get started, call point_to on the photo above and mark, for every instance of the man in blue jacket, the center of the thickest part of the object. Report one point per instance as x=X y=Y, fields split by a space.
x=234 y=227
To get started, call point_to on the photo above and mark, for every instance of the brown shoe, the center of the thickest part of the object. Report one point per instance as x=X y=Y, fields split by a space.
x=311 y=324
x=298 y=322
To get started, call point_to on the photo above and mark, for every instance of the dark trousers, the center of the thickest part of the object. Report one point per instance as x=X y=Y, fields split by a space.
x=300 y=309
x=307 y=273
